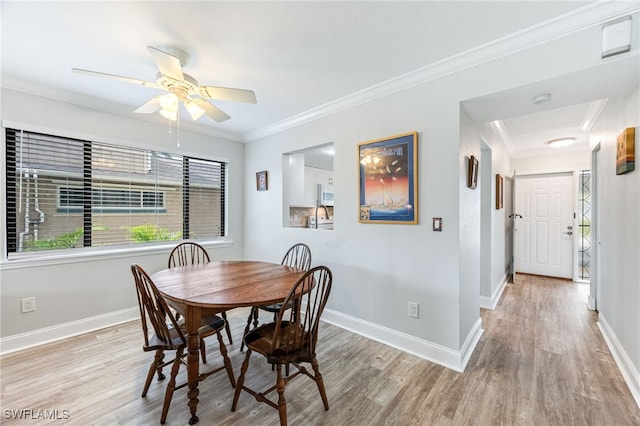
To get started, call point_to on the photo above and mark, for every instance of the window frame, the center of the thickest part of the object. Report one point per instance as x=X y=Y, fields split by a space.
x=57 y=256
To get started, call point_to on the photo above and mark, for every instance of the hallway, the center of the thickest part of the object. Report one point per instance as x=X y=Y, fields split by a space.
x=548 y=360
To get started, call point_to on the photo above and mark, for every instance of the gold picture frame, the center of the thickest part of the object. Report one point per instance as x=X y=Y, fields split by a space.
x=499 y=192
x=626 y=151
x=388 y=180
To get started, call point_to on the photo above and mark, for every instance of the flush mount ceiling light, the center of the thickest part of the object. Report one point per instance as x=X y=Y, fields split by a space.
x=542 y=98
x=557 y=143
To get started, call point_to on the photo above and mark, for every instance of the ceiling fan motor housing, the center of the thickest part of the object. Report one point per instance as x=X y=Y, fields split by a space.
x=180 y=88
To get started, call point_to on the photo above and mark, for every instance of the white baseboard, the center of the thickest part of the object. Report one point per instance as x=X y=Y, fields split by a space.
x=470 y=343
x=591 y=303
x=491 y=303
x=62 y=331
x=629 y=371
x=442 y=355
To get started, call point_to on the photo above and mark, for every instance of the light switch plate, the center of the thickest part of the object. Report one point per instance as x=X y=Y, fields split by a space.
x=437 y=224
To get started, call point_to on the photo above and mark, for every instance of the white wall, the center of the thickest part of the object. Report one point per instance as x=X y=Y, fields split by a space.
x=379 y=268
x=72 y=290
x=470 y=229
x=494 y=264
x=619 y=222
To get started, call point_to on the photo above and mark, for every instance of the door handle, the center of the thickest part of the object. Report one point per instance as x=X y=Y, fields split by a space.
x=568 y=233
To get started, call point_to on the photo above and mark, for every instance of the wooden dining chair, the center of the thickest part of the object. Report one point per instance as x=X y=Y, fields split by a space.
x=299 y=257
x=291 y=339
x=190 y=253
x=167 y=335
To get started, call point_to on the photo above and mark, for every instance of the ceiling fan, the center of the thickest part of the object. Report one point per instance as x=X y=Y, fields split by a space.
x=180 y=87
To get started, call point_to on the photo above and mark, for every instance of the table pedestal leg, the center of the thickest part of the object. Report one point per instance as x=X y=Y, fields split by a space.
x=193 y=361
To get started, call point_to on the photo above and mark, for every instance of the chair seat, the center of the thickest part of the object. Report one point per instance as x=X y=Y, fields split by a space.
x=156 y=343
x=212 y=324
x=261 y=340
x=271 y=308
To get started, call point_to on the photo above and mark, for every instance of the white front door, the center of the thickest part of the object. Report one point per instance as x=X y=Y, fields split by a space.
x=544 y=235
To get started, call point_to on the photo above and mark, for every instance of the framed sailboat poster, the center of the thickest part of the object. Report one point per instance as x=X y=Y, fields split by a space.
x=389 y=179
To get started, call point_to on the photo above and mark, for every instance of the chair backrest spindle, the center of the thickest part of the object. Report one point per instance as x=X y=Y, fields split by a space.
x=298 y=256
x=188 y=253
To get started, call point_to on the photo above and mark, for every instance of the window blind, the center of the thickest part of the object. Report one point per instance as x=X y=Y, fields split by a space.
x=65 y=194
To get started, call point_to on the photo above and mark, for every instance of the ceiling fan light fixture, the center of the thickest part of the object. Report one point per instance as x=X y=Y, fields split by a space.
x=557 y=143
x=169 y=102
x=194 y=109
x=169 y=115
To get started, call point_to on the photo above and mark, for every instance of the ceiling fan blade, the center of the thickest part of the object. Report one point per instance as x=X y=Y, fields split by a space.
x=211 y=111
x=150 y=107
x=228 y=94
x=115 y=77
x=168 y=64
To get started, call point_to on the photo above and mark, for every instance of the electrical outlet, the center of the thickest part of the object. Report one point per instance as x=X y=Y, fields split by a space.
x=28 y=304
x=413 y=310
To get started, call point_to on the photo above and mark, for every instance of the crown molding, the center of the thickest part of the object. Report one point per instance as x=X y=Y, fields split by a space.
x=586 y=17
x=501 y=131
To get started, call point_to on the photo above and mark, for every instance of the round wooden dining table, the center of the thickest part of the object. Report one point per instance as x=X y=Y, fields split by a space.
x=200 y=290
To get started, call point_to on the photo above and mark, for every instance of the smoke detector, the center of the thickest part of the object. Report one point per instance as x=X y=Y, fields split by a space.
x=540 y=99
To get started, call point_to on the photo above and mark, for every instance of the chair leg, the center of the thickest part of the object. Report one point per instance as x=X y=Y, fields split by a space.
x=252 y=315
x=227 y=327
x=171 y=386
x=161 y=375
x=319 y=382
x=157 y=360
x=282 y=402
x=240 y=383
x=203 y=351
x=256 y=317
x=227 y=361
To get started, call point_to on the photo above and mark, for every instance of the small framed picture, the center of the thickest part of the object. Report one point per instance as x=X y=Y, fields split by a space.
x=499 y=192
x=262 y=181
x=626 y=151
x=472 y=173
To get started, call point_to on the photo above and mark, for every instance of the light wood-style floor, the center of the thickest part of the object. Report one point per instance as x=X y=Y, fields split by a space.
x=541 y=361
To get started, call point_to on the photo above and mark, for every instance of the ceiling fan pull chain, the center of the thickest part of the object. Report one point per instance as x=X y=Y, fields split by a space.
x=178 y=130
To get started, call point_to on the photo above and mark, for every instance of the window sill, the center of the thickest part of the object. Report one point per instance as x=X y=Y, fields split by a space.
x=39 y=259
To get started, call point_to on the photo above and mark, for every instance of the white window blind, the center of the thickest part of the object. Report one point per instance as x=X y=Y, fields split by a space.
x=65 y=194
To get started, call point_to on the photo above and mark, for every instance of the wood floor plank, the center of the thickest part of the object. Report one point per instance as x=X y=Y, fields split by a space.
x=540 y=361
